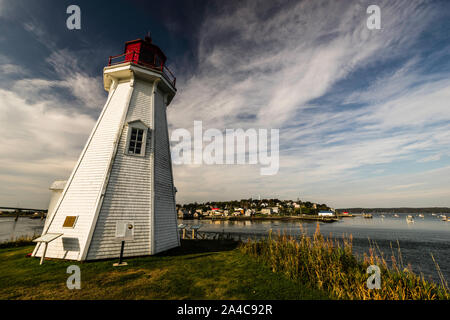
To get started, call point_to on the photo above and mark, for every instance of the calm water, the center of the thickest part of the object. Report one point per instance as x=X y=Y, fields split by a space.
x=426 y=235
x=417 y=240
x=24 y=226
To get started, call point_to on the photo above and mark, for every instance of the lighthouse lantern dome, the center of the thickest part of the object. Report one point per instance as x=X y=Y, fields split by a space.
x=144 y=52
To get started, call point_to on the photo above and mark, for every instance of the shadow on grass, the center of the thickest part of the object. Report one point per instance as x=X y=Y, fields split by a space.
x=200 y=246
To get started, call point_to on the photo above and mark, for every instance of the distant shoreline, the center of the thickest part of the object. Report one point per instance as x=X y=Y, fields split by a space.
x=22 y=215
x=398 y=210
x=273 y=218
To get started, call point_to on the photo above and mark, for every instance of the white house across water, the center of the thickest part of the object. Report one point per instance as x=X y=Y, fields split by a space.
x=326 y=213
x=124 y=173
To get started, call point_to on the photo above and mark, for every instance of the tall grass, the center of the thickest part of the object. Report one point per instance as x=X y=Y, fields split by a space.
x=330 y=265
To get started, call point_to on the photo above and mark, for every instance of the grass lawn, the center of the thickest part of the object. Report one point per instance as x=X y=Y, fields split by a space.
x=205 y=269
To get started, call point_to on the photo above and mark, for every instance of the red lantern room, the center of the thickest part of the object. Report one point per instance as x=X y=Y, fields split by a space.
x=145 y=53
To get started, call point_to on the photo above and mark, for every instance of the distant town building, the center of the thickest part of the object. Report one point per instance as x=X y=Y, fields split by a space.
x=249 y=212
x=326 y=213
x=266 y=211
x=184 y=214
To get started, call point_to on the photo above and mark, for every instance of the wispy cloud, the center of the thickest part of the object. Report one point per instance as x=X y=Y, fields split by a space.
x=275 y=66
x=434 y=157
x=405 y=186
x=39 y=144
x=363 y=114
x=44 y=123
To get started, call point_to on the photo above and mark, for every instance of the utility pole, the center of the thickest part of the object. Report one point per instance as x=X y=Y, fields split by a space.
x=298 y=200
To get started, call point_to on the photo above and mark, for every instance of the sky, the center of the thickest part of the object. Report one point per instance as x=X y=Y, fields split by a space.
x=363 y=115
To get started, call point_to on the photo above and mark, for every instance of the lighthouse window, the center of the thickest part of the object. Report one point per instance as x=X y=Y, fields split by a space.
x=135 y=145
x=157 y=61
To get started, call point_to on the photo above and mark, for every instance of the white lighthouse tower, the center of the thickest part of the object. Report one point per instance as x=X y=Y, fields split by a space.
x=124 y=173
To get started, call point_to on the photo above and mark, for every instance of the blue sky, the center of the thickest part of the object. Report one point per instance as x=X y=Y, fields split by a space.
x=364 y=115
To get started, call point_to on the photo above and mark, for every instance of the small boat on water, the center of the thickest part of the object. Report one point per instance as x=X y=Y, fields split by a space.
x=382 y=216
x=409 y=219
x=396 y=215
x=421 y=215
x=367 y=215
x=433 y=214
x=445 y=218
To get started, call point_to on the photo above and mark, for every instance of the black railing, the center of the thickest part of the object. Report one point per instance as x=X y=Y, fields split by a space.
x=133 y=57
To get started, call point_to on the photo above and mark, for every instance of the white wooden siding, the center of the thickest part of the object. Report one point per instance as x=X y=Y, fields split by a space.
x=128 y=194
x=84 y=187
x=165 y=226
